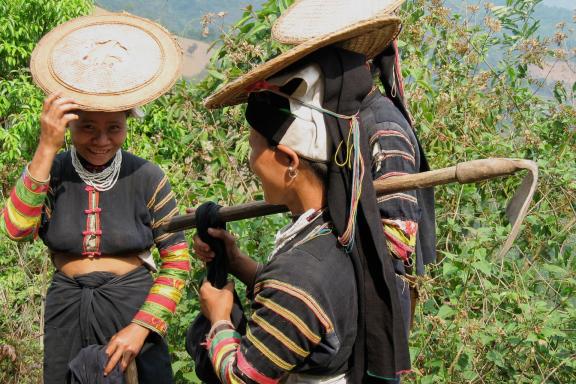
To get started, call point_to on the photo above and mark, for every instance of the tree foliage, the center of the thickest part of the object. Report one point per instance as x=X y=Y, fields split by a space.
x=480 y=320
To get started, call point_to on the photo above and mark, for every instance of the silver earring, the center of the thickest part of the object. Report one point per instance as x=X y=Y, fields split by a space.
x=292 y=172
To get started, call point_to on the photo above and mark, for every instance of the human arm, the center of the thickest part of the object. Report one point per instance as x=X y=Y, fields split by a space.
x=241 y=266
x=286 y=325
x=166 y=292
x=21 y=216
x=164 y=295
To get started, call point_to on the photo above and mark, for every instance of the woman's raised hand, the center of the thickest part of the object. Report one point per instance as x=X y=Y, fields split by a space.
x=56 y=114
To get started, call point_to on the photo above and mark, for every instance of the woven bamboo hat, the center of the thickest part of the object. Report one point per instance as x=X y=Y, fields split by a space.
x=362 y=26
x=111 y=62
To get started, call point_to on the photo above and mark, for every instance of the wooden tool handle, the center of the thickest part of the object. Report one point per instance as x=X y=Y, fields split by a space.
x=467 y=172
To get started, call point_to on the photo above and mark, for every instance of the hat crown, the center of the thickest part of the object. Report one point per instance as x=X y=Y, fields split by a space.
x=106 y=59
x=308 y=19
x=110 y=62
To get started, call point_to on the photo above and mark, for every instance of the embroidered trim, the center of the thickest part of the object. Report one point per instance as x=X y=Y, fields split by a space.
x=158 y=188
x=302 y=296
x=387 y=154
x=388 y=133
x=402 y=196
x=93 y=233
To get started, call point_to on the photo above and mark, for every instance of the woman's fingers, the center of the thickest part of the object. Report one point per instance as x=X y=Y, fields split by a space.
x=223 y=235
x=49 y=100
x=62 y=109
x=111 y=347
x=114 y=355
x=118 y=354
x=67 y=118
x=216 y=304
x=127 y=357
x=218 y=233
x=200 y=245
x=202 y=250
x=112 y=361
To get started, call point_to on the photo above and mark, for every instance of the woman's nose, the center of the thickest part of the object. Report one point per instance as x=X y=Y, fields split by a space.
x=101 y=139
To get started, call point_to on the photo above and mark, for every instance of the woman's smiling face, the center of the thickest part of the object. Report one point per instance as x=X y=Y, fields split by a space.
x=97 y=136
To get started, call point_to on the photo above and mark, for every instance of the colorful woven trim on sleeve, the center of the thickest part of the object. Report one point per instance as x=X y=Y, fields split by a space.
x=22 y=213
x=400 y=237
x=229 y=363
x=166 y=292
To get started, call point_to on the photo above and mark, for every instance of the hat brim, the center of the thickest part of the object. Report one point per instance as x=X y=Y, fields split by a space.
x=367 y=37
x=169 y=72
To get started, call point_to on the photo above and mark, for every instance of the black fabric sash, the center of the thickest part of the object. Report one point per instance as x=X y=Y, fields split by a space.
x=104 y=302
x=390 y=78
x=89 y=309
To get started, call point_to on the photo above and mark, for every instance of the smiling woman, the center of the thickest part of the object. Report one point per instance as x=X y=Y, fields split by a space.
x=97 y=136
x=100 y=209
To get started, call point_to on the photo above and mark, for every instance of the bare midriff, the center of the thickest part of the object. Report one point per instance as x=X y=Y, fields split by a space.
x=73 y=265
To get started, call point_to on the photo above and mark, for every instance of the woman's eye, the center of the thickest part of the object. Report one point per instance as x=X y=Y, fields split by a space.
x=87 y=127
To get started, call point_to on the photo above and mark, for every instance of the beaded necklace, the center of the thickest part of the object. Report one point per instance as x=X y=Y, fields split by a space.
x=101 y=181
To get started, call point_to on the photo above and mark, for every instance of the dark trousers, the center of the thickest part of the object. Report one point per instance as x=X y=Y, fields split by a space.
x=90 y=309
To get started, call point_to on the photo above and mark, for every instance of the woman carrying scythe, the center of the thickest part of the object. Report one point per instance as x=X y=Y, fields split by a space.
x=331 y=305
x=98 y=208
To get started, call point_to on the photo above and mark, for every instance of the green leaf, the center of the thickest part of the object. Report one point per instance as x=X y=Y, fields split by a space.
x=216 y=74
x=445 y=312
x=483 y=266
x=496 y=357
x=178 y=365
x=554 y=269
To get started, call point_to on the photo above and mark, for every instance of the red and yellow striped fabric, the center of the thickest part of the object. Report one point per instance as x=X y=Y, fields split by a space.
x=20 y=218
x=166 y=292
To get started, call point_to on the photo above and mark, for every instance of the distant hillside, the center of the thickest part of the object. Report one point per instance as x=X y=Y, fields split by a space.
x=549 y=12
x=182 y=17
x=568 y=4
x=196 y=53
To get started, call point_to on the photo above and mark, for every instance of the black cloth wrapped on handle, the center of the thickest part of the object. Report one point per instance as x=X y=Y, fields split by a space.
x=207 y=216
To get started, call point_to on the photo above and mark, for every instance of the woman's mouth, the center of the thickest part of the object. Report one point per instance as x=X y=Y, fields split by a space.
x=97 y=152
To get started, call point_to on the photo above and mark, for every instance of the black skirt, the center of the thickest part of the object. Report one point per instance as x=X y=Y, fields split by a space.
x=90 y=309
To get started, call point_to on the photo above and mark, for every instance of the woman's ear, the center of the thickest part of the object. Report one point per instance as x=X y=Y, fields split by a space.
x=291 y=157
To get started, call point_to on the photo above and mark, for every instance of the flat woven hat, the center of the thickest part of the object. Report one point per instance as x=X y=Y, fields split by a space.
x=307 y=19
x=111 y=62
x=368 y=31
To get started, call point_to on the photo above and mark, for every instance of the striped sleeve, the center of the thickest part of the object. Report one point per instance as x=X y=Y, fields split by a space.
x=394 y=153
x=166 y=292
x=286 y=324
x=22 y=213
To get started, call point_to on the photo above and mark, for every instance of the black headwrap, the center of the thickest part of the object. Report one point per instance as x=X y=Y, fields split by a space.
x=381 y=349
x=388 y=65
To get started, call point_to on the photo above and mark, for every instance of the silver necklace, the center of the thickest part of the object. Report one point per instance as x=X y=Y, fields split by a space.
x=101 y=181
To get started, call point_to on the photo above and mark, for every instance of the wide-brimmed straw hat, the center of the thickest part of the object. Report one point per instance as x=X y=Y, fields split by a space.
x=111 y=62
x=362 y=26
